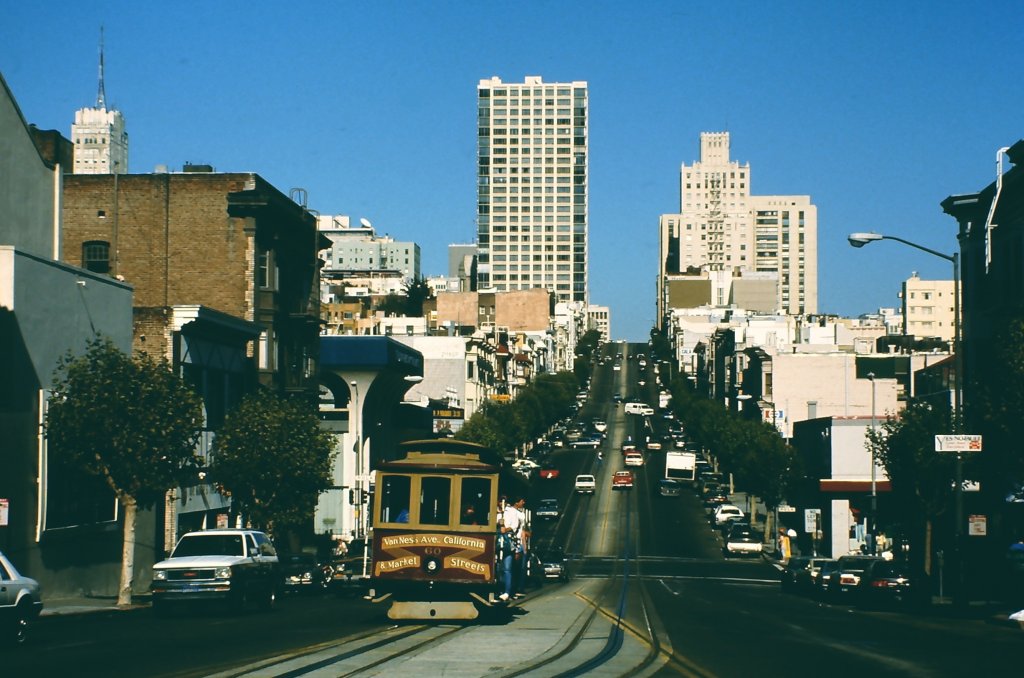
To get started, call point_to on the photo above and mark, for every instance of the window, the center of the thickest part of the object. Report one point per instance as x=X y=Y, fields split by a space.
x=96 y=256
x=476 y=501
x=394 y=499
x=435 y=500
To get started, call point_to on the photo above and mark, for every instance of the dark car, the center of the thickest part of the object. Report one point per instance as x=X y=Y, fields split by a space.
x=305 y=572
x=716 y=497
x=796 y=570
x=886 y=583
x=847 y=575
x=821 y=578
x=553 y=564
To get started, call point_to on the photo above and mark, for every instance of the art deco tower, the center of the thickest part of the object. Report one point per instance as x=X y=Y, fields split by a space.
x=98 y=135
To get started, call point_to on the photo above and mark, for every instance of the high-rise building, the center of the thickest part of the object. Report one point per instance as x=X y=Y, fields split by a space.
x=721 y=227
x=98 y=135
x=532 y=187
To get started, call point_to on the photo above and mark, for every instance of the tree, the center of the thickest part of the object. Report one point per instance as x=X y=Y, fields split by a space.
x=130 y=421
x=921 y=479
x=272 y=458
x=417 y=292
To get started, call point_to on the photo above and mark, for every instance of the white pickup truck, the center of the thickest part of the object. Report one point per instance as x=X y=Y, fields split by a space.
x=585 y=484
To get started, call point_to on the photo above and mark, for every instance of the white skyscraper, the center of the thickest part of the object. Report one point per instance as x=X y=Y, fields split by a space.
x=532 y=187
x=99 y=137
x=722 y=228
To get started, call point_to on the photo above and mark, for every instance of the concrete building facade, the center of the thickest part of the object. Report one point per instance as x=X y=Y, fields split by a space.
x=532 y=186
x=928 y=308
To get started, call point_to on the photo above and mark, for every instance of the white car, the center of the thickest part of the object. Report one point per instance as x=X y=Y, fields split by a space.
x=20 y=603
x=634 y=459
x=727 y=513
x=585 y=484
x=231 y=565
x=600 y=425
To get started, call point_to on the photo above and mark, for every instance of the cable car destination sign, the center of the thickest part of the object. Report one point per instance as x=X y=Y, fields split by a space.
x=958 y=443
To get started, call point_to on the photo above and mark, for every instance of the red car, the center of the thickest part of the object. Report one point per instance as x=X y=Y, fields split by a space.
x=622 y=480
x=549 y=473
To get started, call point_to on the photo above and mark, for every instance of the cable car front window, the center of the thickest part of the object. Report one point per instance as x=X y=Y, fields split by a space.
x=476 y=501
x=394 y=499
x=435 y=500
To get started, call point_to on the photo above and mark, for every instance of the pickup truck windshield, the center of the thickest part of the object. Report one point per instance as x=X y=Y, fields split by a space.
x=209 y=545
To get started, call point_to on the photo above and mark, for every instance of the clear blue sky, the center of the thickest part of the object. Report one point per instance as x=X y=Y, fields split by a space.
x=877 y=110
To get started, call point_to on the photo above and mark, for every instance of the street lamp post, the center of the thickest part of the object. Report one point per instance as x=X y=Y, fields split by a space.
x=872 y=546
x=861 y=239
x=359 y=475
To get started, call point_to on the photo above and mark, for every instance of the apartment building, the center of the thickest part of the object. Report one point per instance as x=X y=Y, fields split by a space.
x=532 y=187
x=928 y=308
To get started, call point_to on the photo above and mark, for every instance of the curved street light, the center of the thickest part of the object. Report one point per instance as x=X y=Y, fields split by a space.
x=861 y=239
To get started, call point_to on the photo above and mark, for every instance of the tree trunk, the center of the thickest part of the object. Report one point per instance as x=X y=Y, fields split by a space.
x=124 y=593
x=928 y=546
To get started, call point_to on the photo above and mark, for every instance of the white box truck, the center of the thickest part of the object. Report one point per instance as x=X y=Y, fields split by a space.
x=680 y=465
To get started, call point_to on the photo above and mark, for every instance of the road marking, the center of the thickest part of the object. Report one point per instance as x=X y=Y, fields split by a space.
x=668 y=588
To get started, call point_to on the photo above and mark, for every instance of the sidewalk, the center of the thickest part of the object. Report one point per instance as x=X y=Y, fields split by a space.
x=68 y=605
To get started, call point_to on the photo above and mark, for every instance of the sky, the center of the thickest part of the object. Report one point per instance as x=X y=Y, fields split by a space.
x=876 y=110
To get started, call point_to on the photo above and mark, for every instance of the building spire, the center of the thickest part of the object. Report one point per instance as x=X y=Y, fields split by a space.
x=101 y=97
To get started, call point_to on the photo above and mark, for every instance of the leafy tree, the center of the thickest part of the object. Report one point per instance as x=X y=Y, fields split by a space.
x=273 y=460
x=417 y=292
x=506 y=426
x=921 y=479
x=130 y=421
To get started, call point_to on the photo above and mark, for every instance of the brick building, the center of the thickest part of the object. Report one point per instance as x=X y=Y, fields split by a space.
x=228 y=242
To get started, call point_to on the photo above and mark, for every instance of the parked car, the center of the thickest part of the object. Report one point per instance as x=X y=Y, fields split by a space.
x=847 y=575
x=802 y=572
x=742 y=542
x=726 y=513
x=547 y=509
x=797 y=569
x=349 y=567
x=715 y=497
x=20 y=603
x=821 y=578
x=886 y=583
x=306 y=573
x=230 y=565
x=622 y=480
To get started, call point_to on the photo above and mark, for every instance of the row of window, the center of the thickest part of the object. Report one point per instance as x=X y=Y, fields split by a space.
x=512 y=277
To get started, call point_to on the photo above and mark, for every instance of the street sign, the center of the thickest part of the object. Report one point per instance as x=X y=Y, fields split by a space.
x=977 y=525
x=5 y=507
x=811 y=518
x=786 y=508
x=958 y=443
